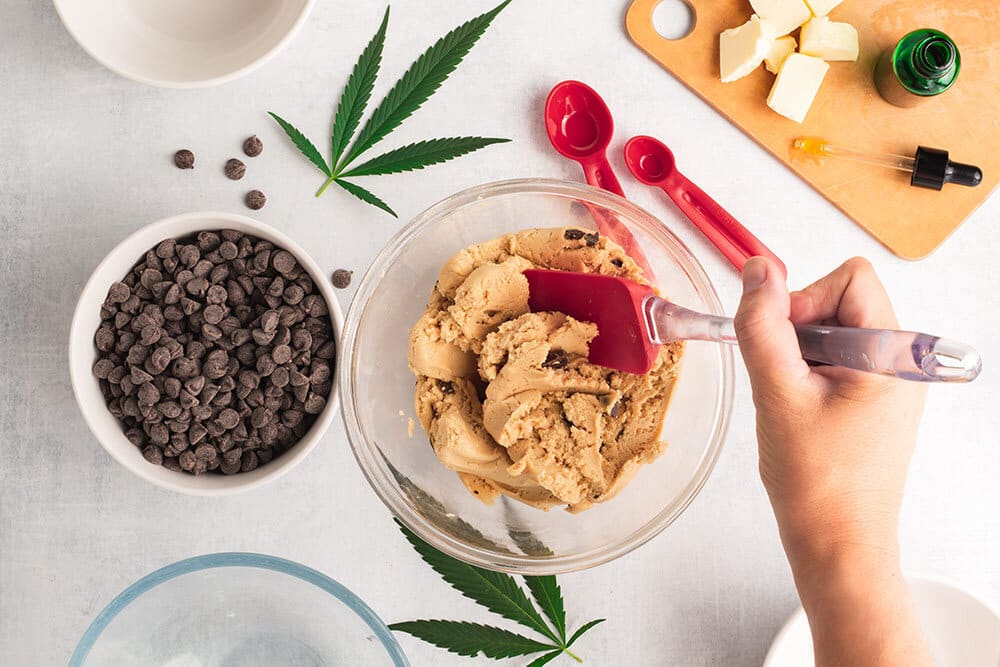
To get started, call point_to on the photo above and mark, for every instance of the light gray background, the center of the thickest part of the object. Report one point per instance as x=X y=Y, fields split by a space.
x=85 y=160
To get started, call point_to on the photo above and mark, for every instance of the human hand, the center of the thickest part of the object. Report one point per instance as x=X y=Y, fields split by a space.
x=834 y=446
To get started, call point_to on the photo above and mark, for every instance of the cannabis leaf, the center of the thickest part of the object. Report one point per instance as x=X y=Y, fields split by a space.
x=421 y=154
x=501 y=594
x=420 y=81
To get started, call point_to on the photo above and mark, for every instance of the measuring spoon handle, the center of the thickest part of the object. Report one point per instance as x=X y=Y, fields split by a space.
x=723 y=230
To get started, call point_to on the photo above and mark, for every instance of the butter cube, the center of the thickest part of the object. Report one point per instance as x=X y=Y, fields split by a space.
x=795 y=88
x=822 y=7
x=829 y=40
x=784 y=15
x=741 y=50
x=782 y=48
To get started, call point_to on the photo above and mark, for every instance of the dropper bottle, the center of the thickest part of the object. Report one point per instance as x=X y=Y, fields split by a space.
x=928 y=168
x=925 y=63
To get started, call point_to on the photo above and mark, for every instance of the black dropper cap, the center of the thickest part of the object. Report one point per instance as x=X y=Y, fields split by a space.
x=932 y=169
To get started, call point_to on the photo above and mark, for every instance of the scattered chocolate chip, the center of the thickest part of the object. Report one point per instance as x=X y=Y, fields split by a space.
x=342 y=278
x=235 y=169
x=573 y=234
x=556 y=359
x=592 y=239
x=617 y=262
x=184 y=159
x=253 y=146
x=255 y=200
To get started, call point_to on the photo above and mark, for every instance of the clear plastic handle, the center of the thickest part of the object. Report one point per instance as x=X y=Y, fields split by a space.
x=903 y=354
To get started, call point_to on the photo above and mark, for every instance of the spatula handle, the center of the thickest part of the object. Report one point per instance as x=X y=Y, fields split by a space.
x=903 y=354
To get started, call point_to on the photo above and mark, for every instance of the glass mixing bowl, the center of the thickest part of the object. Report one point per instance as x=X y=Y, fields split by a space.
x=377 y=390
x=237 y=610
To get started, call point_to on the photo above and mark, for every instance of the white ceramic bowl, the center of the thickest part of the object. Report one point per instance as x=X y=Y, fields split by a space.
x=182 y=43
x=961 y=629
x=83 y=354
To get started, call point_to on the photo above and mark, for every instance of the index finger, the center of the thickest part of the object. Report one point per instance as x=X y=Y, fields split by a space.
x=852 y=296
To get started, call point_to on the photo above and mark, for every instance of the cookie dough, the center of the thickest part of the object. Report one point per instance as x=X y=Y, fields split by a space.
x=508 y=397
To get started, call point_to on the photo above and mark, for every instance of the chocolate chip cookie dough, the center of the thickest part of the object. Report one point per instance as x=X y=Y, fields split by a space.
x=508 y=397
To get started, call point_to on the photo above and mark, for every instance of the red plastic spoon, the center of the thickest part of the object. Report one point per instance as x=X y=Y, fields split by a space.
x=652 y=163
x=580 y=127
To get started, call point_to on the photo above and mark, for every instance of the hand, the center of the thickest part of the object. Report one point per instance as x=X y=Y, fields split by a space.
x=835 y=446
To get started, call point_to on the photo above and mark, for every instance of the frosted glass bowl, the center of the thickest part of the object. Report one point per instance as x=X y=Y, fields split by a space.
x=377 y=389
x=237 y=610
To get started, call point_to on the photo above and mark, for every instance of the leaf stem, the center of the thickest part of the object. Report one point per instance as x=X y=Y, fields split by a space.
x=572 y=655
x=319 y=193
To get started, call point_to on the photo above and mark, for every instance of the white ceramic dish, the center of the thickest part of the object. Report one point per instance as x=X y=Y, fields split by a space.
x=82 y=355
x=963 y=631
x=183 y=43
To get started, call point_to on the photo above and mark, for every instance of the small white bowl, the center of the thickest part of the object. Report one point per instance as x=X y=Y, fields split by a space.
x=961 y=629
x=182 y=43
x=83 y=354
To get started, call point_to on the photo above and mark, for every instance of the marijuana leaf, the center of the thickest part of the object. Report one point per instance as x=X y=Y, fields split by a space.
x=302 y=143
x=357 y=92
x=365 y=195
x=416 y=86
x=421 y=81
x=546 y=592
x=500 y=594
x=421 y=154
x=469 y=639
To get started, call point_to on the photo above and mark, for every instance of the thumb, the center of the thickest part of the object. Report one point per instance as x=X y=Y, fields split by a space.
x=767 y=338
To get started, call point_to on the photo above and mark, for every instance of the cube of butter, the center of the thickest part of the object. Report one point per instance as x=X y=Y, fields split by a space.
x=822 y=7
x=782 y=48
x=784 y=15
x=829 y=40
x=795 y=88
x=741 y=50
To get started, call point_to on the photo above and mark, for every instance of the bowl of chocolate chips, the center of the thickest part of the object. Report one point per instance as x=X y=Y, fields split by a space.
x=202 y=353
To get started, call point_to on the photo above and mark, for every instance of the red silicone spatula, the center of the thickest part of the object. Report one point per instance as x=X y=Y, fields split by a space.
x=633 y=322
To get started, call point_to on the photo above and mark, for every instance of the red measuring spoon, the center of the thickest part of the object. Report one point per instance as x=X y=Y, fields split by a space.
x=652 y=163
x=580 y=126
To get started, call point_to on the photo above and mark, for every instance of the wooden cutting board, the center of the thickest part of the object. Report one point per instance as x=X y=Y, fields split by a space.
x=911 y=222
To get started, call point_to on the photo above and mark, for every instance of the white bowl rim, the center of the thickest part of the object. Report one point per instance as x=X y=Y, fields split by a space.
x=522 y=564
x=279 y=466
x=257 y=62
x=229 y=560
x=913 y=578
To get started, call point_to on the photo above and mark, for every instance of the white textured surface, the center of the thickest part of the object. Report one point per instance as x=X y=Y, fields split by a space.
x=85 y=159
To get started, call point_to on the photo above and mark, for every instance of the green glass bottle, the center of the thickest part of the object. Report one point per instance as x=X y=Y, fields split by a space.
x=923 y=64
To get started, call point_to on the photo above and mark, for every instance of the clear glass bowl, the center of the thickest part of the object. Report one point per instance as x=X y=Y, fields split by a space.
x=377 y=389
x=237 y=610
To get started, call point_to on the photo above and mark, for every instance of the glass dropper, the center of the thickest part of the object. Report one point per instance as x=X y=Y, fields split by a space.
x=929 y=168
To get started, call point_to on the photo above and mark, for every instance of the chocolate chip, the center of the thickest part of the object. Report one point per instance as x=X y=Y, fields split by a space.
x=184 y=159
x=617 y=262
x=592 y=239
x=447 y=388
x=253 y=146
x=235 y=169
x=342 y=278
x=556 y=359
x=255 y=200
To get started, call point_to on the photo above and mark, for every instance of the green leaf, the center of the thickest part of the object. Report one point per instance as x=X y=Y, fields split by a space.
x=357 y=92
x=546 y=592
x=303 y=144
x=365 y=196
x=419 y=82
x=545 y=659
x=496 y=591
x=469 y=639
x=583 y=629
x=421 y=154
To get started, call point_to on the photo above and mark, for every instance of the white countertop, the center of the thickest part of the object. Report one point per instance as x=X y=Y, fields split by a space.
x=85 y=159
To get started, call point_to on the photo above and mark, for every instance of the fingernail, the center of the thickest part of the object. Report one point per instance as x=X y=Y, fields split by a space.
x=754 y=274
